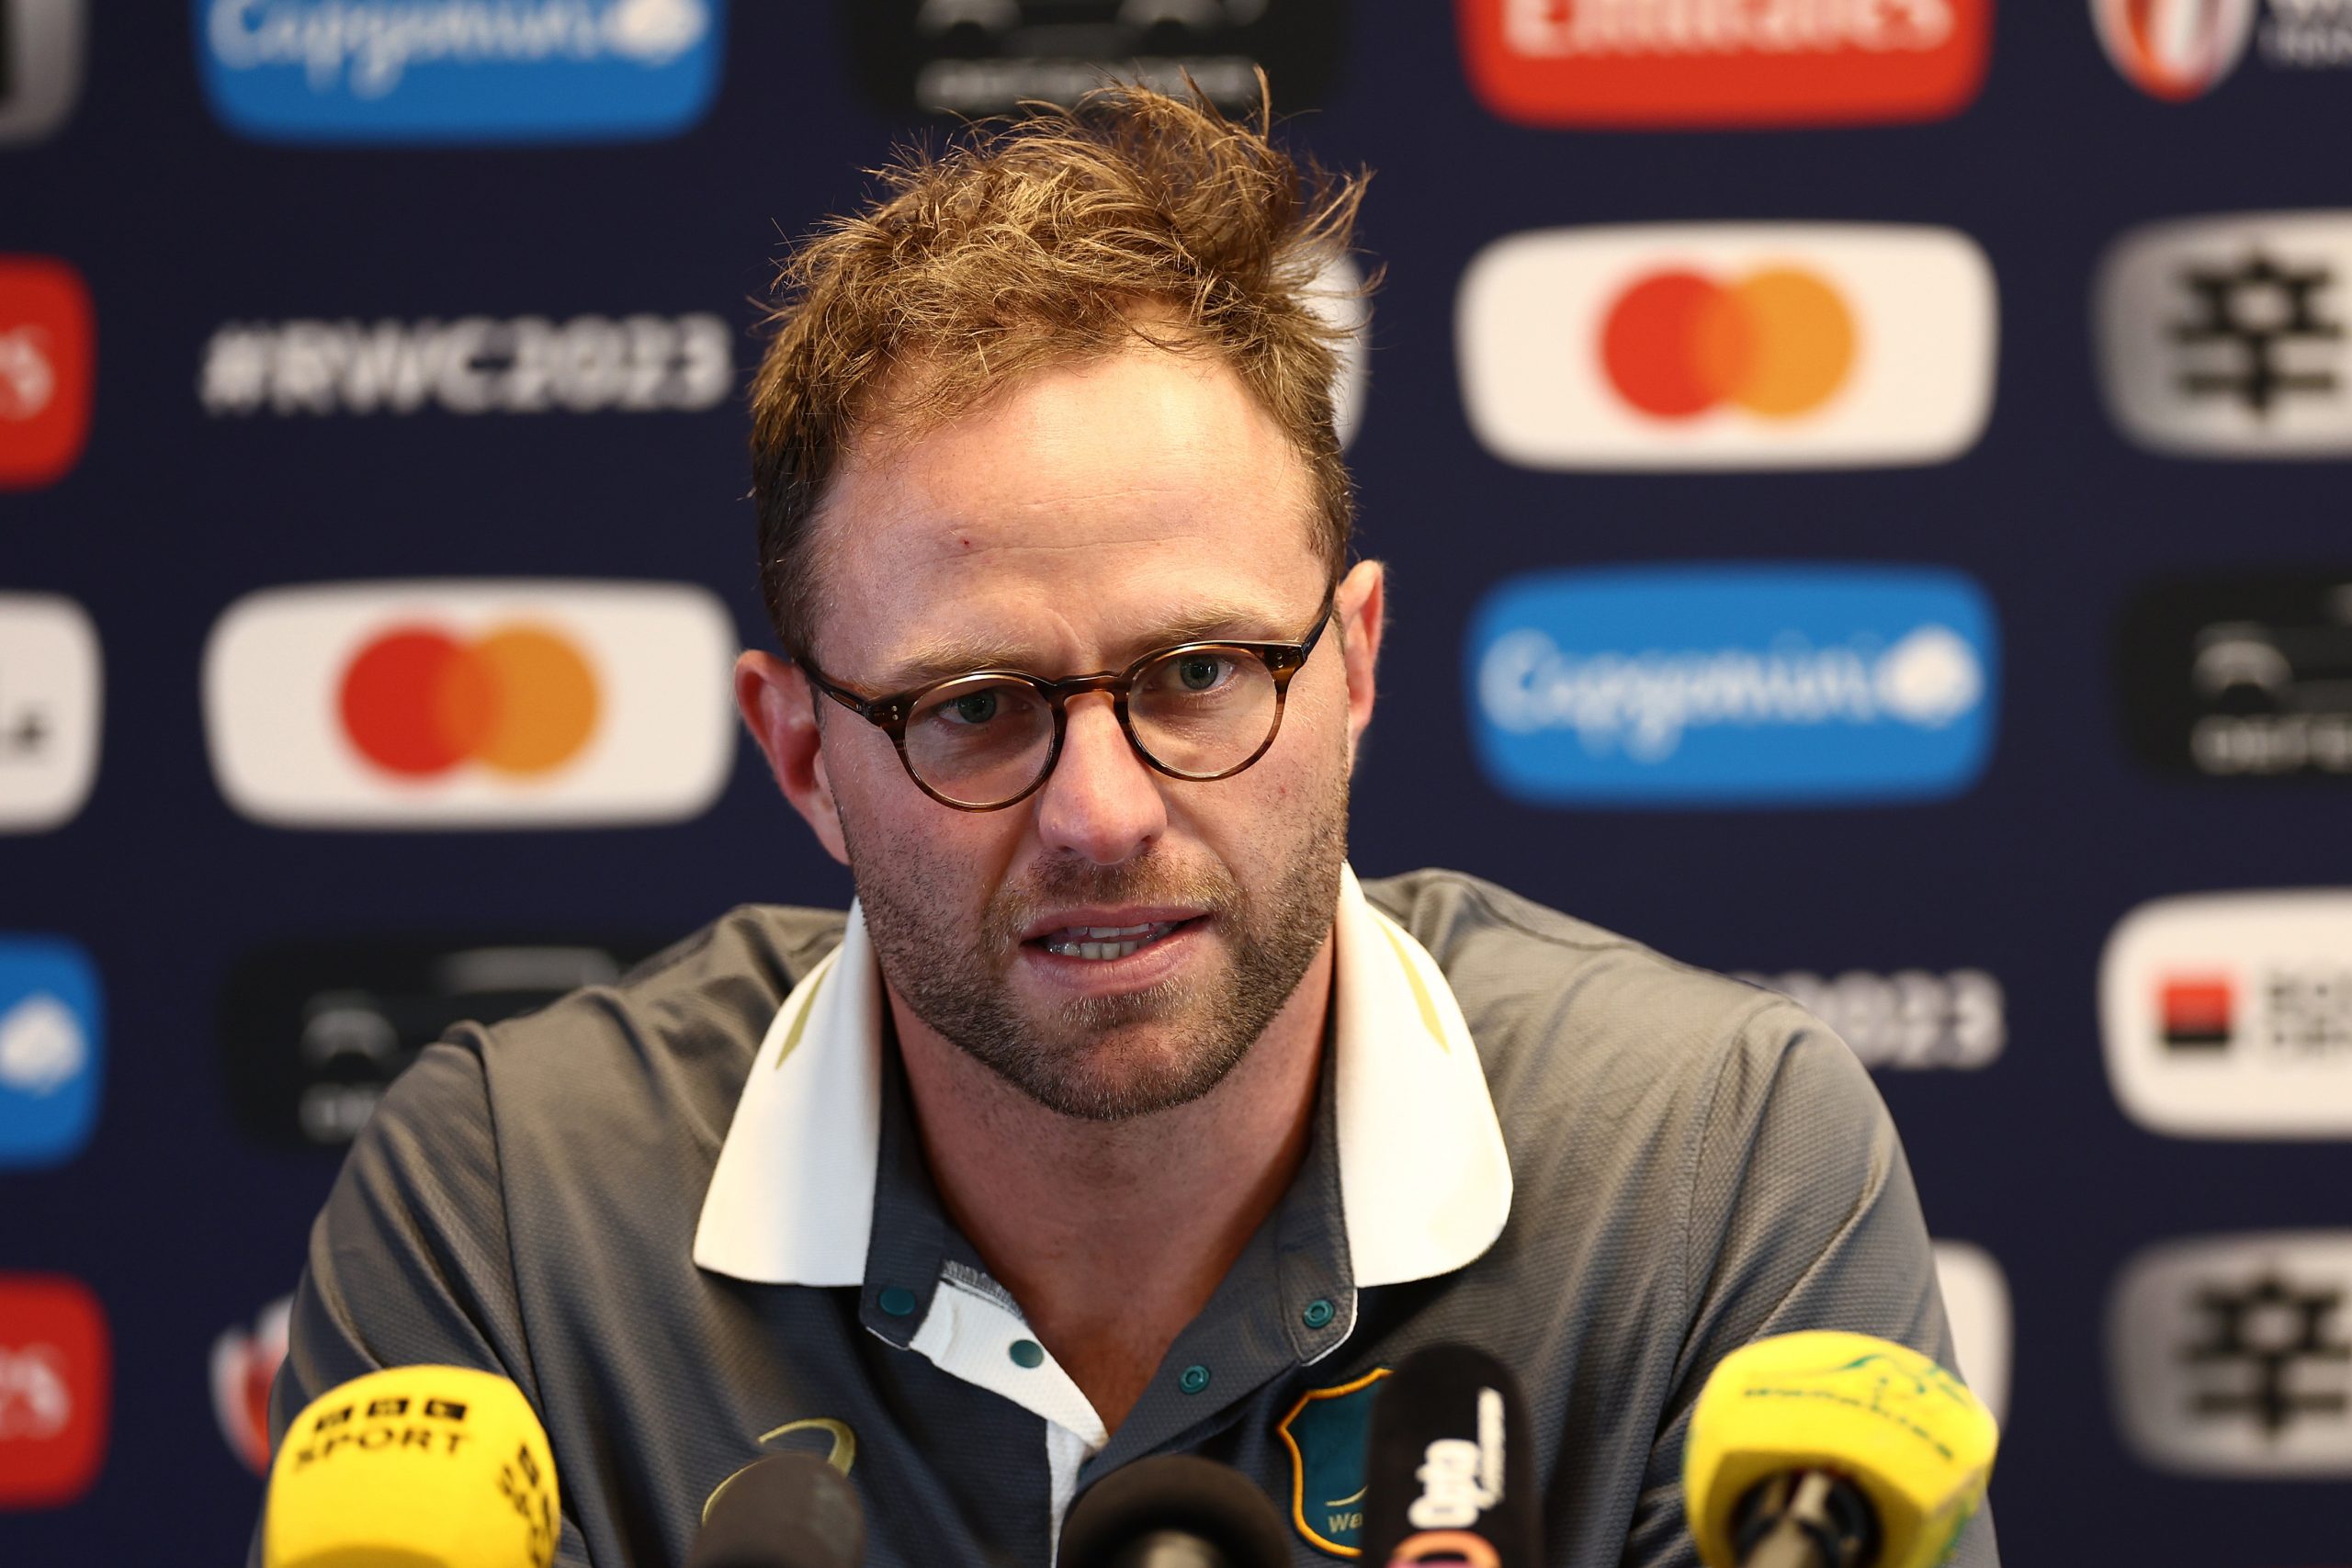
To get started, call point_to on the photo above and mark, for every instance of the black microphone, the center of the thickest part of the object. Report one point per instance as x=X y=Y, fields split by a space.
x=1450 y=1474
x=785 y=1511
x=1175 y=1511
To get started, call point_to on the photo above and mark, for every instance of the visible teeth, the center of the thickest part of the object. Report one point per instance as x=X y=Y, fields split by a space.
x=1086 y=941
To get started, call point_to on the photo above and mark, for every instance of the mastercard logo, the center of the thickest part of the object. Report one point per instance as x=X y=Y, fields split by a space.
x=1727 y=346
x=520 y=699
x=472 y=704
x=1777 y=342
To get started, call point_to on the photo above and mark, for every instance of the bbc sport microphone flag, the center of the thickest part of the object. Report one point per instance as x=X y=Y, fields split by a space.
x=1728 y=346
x=472 y=704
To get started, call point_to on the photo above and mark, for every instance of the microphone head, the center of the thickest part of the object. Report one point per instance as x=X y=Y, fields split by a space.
x=413 y=1467
x=1174 y=1495
x=1451 y=1472
x=783 y=1511
x=1906 y=1433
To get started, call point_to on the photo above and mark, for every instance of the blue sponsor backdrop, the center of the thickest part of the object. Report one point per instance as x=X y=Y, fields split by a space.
x=1733 y=686
x=523 y=70
x=158 y=191
x=52 y=1051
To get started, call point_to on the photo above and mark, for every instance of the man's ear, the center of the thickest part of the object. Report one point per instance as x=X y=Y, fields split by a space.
x=774 y=698
x=1362 y=606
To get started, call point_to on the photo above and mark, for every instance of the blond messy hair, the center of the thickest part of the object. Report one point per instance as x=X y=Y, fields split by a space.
x=1046 y=240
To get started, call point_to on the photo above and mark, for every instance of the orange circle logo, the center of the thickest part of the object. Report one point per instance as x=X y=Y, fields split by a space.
x=520 y=699
x=1777 y=342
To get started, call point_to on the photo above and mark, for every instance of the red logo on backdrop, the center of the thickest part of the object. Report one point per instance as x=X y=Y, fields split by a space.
x=244 y=1363
x=46 y=339
x=2197 y=1010
x=53 y=1390
x=2173 y=49
x=521 y=699
x=1667 y=63
x=1776 y=343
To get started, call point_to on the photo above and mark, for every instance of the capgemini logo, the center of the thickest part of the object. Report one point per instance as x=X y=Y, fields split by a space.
x=1733 y=686
x=459 y=70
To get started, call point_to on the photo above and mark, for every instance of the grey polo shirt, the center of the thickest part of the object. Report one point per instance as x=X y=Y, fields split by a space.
x=688 y=1215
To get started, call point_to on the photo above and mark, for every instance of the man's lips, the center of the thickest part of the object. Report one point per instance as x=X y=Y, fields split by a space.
x=1105 y=933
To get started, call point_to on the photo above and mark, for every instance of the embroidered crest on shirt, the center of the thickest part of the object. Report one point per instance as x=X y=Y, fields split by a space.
x=1327 y=1432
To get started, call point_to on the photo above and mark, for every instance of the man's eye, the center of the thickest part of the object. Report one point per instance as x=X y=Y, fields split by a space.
x=973 y=707
x=1200 y=671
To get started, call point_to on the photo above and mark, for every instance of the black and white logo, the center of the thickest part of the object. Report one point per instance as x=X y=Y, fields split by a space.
x=976 y=58
x=2240 y=677
x=312 y=1034
x=2233 y=1354
x=2228 y=336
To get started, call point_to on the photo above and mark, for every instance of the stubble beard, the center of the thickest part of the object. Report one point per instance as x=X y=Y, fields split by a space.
x=1107 y=1058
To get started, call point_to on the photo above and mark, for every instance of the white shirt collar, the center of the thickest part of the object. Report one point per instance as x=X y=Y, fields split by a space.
x=1425 y=1182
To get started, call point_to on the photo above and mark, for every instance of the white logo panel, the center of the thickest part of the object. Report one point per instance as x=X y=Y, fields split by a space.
x=49 y=683
x=2233 y=1354
x=2232 y=336
x=471 y=705
x=1728 y=346
x=1976 y=1303
x=2229 y=1015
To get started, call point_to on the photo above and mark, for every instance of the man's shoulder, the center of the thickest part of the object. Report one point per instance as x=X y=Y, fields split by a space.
x=1561 y=1007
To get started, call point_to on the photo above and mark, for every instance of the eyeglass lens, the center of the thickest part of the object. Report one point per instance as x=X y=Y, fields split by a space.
x=985 y=738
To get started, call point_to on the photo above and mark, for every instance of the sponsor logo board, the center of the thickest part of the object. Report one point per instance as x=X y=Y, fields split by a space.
x=244 y=1362
x=312 y=1034
x=40 y=66
x=464 y=71
x=1912 y=1020
x=2229 y=1015
x=472 y=704
x=1662 y=64
x=1760 y=684
x=1976 y=1302
x=2240 y=677
x=988 y=57
x=2226 y=337
x=1338 y=296
x=2178 y=49
x=1728 y=346
x=2231 y=1356
x=476 y=365
x=51 y=1051
x=49 y=700
x=47 y=348
x=54 y=1388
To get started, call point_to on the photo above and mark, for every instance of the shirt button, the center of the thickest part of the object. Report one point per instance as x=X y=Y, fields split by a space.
x=897 y=1301
x=1318 y=1314
x=1195 y=1378
x=1026 y=1353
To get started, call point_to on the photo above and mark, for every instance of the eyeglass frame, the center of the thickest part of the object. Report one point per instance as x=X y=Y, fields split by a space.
x=891 y=713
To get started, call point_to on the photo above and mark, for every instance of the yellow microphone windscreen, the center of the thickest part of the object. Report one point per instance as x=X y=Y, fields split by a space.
x=413 y=1467
x=1905 y=1431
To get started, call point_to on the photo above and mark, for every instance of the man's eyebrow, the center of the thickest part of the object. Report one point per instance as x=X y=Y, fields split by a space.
x=941 y=659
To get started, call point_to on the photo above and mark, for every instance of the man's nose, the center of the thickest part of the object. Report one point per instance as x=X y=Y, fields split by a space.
x=1103 y=801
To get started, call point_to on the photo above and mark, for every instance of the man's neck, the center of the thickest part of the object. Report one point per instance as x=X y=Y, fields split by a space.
x=1114 y=1235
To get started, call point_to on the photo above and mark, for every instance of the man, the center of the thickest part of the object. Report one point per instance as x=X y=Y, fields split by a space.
x=1118 y=1117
